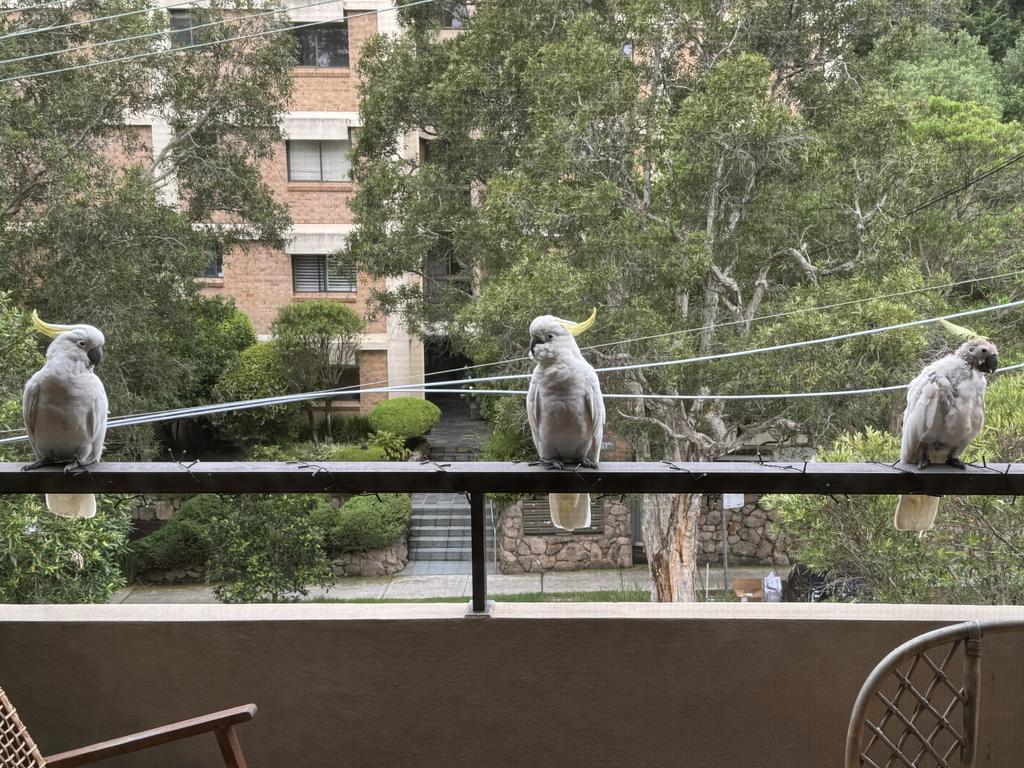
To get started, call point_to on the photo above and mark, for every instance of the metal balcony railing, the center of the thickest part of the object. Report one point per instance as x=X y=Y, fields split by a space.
x=478 y=478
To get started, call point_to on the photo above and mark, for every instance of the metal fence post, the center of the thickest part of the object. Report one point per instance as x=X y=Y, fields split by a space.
x=478 y=552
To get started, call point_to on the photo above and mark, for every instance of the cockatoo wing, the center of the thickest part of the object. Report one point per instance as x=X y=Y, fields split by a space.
x=29 y=406
x=533 y=408
x=96 y=422
x=596 y=414
x=924 y=399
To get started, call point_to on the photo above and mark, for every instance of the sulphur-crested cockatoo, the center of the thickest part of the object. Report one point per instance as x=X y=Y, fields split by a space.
x=945 y=411
x=65 y=408
x=565 y=410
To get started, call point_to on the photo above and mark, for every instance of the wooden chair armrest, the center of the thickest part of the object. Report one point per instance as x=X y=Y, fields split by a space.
x=216 y=721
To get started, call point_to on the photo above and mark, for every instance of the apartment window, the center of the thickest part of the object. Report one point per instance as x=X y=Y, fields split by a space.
x=215 y=268
x=319 y=161
x=319 y=273
x=454 y=15
x=182 y=33
x=322 y=45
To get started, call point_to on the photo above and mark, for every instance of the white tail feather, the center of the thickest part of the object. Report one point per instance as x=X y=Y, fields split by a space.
x=570 y=511
x=71 y=504
x=916 y=513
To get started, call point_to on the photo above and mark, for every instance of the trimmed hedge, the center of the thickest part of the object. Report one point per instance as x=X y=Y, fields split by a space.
x=186 y=539
x=314 y=452
x=408 y=417
x=365 y=522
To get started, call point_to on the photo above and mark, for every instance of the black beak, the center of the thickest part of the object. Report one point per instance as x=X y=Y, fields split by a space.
x=95 y=355
x=991 y=364
x=534 y=341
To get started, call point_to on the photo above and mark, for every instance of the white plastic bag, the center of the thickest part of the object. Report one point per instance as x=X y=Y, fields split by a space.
x=772 y=585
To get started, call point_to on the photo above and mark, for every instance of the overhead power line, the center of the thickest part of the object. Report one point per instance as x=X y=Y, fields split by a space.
x=162 y=32
x=212 y=409
x=414 y=380
x=90 y=20
x=178 y=49
x=22 y=8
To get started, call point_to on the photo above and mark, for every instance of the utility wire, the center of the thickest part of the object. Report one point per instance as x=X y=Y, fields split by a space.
x=969 y=183
x=90 y=20
x=177 y=49
x=243 y=405
x=215 y=408
x=164 y=32
x=32 y=7
x=803 y=310
x=358 y=388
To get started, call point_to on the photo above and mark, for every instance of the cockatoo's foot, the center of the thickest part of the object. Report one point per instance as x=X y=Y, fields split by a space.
x=41 y=463
x=953 y=461
x=924 y=463
x=552 y=464
x=585 y=462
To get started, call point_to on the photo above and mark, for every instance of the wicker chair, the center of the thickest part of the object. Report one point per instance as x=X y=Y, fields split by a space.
x=17 y=750
x=919 y=707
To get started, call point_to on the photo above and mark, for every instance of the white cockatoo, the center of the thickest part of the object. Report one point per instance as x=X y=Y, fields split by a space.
x=65 y=408
x=565 y=410
x=945 y=411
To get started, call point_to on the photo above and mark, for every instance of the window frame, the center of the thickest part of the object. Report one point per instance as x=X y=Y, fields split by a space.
x=217 y=263
x=176 y=35
x=454 y=15
x=316 y=28
x=323 y=276
x=320 y=154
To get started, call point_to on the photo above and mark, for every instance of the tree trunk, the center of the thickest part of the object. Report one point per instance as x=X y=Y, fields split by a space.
x=328 y=428
x=312 y=424
x=670 y=538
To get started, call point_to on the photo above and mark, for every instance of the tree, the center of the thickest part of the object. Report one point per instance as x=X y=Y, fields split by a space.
x=98 y=227
x=681 y=166
x=255 y=373
x=315 y=342
x=268 y=549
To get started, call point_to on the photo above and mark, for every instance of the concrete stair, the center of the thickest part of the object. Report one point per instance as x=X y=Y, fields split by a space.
x=440 y=528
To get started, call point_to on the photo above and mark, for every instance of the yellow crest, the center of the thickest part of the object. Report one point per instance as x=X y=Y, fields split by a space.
x=50 y=329
x=577 y=328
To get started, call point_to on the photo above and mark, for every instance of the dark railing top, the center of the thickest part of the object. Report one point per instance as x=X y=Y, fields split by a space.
x=505 y=477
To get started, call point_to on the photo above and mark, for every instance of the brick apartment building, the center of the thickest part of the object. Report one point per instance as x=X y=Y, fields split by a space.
x=310 y=171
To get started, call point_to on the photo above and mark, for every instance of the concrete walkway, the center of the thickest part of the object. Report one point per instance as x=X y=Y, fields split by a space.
x=412 y=587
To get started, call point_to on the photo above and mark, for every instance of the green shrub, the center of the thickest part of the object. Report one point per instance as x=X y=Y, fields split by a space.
x=185 y=540
x=314 y=452
x=219 y=333
x=367 y=522
x=407 y=417
x=392 y=445
x=505 y=445
x=269 y=549
x=253 y=374
x=175 y=545
x=350 y=429
x=49 y=559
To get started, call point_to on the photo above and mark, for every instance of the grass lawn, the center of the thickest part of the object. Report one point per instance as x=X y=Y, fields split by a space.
x=606 y=596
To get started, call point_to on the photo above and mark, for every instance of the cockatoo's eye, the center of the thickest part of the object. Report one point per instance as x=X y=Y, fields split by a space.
x=81 y=343
x=551 y=336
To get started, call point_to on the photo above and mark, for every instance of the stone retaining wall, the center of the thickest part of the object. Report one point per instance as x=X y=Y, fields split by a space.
x=565 y=551
x=374 y=562
x=754 y=534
